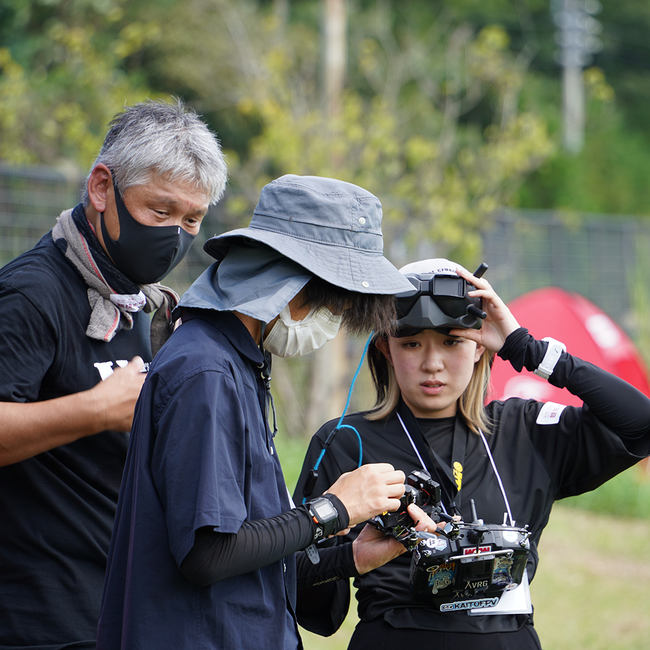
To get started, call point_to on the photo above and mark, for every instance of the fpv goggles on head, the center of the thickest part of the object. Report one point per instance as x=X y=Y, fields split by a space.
x=439 y=300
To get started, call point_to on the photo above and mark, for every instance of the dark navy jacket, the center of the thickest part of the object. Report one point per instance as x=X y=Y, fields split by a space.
x=201 y=454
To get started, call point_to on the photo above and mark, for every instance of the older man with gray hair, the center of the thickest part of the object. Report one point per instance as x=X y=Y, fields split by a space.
x=75 y=335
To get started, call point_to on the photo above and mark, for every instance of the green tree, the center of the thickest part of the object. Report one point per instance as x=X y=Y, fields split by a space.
x=400 y=130
x=430 y=119
x=63 y=75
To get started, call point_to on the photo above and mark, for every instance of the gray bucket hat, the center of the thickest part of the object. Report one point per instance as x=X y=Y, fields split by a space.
x=329 y=227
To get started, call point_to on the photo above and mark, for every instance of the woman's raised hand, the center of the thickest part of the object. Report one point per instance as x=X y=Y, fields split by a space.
x=499 y=322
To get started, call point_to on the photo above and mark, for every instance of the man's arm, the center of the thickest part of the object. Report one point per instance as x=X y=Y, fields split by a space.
x=364 y=492
x=31 y=428
x=216 y=556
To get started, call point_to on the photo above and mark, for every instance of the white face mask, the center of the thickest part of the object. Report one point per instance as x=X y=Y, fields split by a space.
x=291 y=338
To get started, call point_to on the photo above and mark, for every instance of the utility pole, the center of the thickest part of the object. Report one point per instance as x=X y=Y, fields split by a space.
x=336 y=53
x=578 y=39
x=329 y=367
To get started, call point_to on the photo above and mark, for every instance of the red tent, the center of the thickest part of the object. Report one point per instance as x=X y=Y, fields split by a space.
x=586 y=331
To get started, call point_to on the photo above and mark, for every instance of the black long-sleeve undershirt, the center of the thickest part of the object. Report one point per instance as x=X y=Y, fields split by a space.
x=594 y=385
x=216 y=556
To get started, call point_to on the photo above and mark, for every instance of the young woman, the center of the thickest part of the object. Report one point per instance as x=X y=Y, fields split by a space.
x=512 y=458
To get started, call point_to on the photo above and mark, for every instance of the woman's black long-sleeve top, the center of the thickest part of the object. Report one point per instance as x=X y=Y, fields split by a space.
x=542 y=453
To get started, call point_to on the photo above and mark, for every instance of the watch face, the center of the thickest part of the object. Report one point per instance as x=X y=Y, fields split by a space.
x=324 y=510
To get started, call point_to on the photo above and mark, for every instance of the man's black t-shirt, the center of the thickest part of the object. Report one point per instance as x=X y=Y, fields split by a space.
x=57 y=508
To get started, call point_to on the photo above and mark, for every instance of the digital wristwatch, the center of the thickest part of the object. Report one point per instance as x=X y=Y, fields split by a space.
x=325 y=516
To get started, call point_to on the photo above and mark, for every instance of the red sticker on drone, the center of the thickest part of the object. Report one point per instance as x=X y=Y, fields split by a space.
x=481 y=549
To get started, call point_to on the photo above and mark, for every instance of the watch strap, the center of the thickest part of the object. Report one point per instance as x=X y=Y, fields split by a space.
x=551 y=357
x=325 y=525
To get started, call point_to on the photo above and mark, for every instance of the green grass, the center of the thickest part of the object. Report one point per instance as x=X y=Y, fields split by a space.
x=593 y=585
x=626 y=495
x=592 y=588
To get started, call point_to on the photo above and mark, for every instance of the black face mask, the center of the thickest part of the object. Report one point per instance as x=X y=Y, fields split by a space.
x=145 y=254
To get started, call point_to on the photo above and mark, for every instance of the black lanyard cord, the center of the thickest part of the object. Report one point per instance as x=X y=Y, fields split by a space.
x=454 y=474
x=459 y=448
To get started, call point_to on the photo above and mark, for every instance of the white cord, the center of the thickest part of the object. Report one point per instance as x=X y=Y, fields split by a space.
x=489 y=453
x=496 y=472
x=415 y=449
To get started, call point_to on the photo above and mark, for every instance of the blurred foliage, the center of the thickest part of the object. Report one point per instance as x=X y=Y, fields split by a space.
x=609 y=176
x=579 y=602
x=398 y=129
x=430 y=115
x=626 y=495
x=63 y=76
x=448 y=110
x=428 y=118
x=447 y=106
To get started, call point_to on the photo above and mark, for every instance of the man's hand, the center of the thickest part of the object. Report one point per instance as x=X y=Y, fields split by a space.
x=115 y=397
x=369 y=491
x=32 y=428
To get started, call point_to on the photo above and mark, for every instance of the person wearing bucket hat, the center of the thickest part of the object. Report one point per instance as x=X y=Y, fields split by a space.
x=329 y=227
x=207 y=548
x=498 y=466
